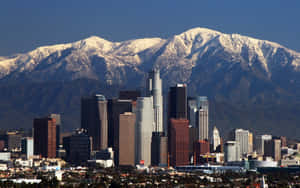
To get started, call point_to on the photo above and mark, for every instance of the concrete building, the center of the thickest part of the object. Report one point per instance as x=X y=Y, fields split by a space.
x=144 y=128
x=127 y=139
x=159 y=152
x=216 y=139
x=94 y=120
x=192 y=111
x=202 y=117
x=78 y=147
x=44 y=137
x=250 y=143
x=179 y=142
x=231 y=151
x=272 y=148
x=259 y=143
x=241 y=137
x=154 y=89
x=27 y=147
x=13 y=140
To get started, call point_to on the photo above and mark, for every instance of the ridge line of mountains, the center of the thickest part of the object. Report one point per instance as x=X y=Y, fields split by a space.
x=251 y=83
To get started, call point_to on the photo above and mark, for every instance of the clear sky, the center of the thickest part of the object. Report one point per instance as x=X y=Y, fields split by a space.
x=27 y=24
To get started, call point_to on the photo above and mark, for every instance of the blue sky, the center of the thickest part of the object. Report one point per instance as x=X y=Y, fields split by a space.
x=25 y=25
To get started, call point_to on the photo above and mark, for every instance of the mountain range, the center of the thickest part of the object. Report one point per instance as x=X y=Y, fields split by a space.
x=251 y=83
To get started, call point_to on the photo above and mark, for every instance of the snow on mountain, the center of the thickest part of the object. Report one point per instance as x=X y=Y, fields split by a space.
x=179 y=57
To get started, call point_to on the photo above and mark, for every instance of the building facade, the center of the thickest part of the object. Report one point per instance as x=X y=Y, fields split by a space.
x=27 y=147
x=44 y=137
x=94 y=120
x=216 y=139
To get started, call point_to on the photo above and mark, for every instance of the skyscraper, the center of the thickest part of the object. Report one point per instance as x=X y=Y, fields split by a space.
x=78 y=147
x=177 y=102
x=202 y=117
x=272 y=148
x=154 y=89
x=58 y=127
x=94 y=120
x=27 y=146
x=144 y=128
x=127 y=139
x=241 y=137
x=159 y=150
x=216 y=140
x=115 y=108
x=179 y=142
x=44 y=137
x=260 y=142
x=231 y=152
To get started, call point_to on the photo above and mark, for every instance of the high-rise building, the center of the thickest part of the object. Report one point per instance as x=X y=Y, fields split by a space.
x=78 y=147
x=159 y=150
x=179 y=142
x=193 y=138
x=177 y=102
x=192 y=111
x=94 y=120
x=283 y=141
x=144 y=128
x=58 y=127
x=154 y=89
x=127 y=139
x=241 y=137
x=250 y=143
x=202 y=117
x=115 y=108
x=231 y=152
x=216 y=139
x=27 y=146
x=259 y=143
x=201 y=147
x=44 y=137
x=272 y=148
x=13 y=140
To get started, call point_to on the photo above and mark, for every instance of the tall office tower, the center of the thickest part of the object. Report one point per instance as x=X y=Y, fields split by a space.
x=241 y=136
x=250 y=143
x=216 y=139
x=231 y=152
x=78 y=147
x=27 y=146
x=154 y=89
x=259 y=143
x=179 y=142
x=202 y=117
x=129 y=95
x=94 y=120
x=115 y=108
x=58 y=126
x=201 y=147
x=193 y=136
x=44 y=137
x=144 y=128
x=283 y=141
x=127 y=139
x=177 y=102
x=13 y=140
x=272 y=148
x=159 y=153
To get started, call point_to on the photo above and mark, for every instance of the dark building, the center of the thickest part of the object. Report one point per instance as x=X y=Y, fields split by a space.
x=178 y=102
x=129 y=95
x=272 y=148
x=201 y=147
x=78 y=147
x=283 y=141
x=127 y=139
x=179 y=142
x=193 y=136
x=114 y=109
x=13 y=140
x=159 y=152
x=2 y=145
x=94 y=120
x=44 y=137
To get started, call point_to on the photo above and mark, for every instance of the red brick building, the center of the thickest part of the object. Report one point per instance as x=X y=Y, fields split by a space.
x=45 y=137
x=179 y=142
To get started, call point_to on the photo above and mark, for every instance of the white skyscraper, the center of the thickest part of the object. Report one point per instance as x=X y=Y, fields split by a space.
x=144 y=129
x=231 y=151
x=216 y=140
x=242 y=139
x=154 y=89
x=202 y=118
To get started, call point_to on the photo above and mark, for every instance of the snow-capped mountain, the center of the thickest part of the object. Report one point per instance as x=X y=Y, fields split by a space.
x=250 y=82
